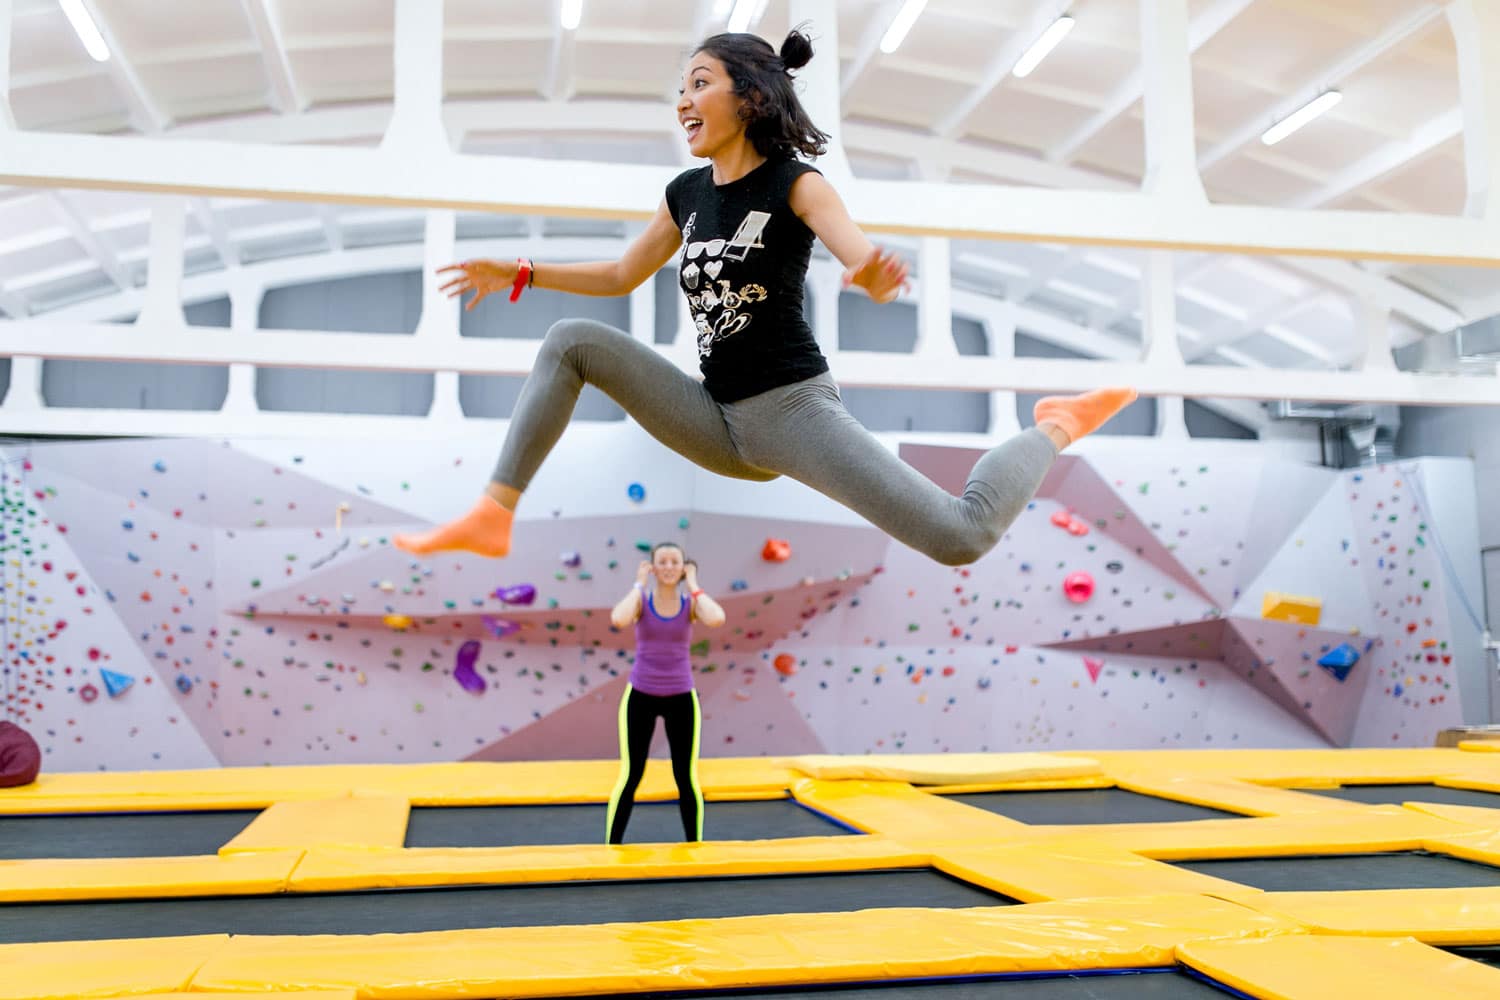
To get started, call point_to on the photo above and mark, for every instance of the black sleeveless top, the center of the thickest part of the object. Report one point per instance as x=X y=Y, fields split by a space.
x=744 y=259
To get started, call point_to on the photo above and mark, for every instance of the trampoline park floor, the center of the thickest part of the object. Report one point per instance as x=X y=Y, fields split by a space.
x=1171 y=874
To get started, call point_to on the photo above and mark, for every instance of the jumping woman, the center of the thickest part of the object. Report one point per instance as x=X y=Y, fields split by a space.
x=766 y=407
x=661 y=684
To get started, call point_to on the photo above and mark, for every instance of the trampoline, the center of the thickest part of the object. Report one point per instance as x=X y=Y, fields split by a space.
x=650 y=822
x=529 y=905
x=1078 y=806
x=1338 y=872
x=119 y=835
x=1397 y=794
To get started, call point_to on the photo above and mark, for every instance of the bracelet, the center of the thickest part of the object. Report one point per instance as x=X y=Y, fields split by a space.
x=523 y=278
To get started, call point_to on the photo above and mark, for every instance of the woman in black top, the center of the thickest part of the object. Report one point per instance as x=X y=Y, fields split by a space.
x=742 y=230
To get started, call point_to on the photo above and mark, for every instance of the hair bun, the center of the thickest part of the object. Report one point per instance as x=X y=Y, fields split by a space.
x=797 y=50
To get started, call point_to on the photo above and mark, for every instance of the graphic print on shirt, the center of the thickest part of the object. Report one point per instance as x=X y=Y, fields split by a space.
x=713 y=302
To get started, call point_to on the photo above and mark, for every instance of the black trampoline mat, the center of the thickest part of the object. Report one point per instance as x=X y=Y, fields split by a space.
x=414 y=910
x=1397 y=794
x=650 y=823
x=120 y=835
x=1341 y=872
x=1489 y=954
x=1068 y=806
x=1164 y=984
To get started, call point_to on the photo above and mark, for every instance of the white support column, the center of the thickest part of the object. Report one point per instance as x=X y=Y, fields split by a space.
x=1171 y=419
x=1375 y=323
x=935 y=299
x=245 y=294
x=1476 y=34
x=1166 y=61
x=643 y=311
x=162 y=308
x=25 y=392
x=416 y=127
x=440 y=314
x=7 y=119
x=1159 y=312
x=827 y=280
x=818 y=81
x=1000 y=332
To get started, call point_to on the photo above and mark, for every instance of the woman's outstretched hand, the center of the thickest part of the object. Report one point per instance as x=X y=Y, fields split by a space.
x=644 y=572
x=882 y=275
x=481 y=277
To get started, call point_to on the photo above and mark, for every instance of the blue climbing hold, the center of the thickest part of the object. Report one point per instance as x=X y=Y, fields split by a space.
x=739 y=585
x=184 y=683
x=116 y=684
x=636 y=492
x=1339 y=660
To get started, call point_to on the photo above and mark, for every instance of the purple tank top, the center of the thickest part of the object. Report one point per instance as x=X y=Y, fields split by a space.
x=662 y=666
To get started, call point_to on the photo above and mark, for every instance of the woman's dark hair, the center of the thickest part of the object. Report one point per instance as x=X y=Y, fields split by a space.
x=667 y=545
x=775 y=121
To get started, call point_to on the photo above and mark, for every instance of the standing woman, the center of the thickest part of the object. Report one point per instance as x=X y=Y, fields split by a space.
x=766 y=407
x=661 y=684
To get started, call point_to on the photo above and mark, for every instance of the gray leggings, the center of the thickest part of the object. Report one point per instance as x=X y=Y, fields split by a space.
x=800 y=430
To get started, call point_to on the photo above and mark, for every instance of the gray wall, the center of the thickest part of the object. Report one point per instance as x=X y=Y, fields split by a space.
x=1471 y=432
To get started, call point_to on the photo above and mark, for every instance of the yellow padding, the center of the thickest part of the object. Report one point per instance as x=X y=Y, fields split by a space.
x=944 y=768
x=330 y=870
x=103 y=968
x=1376 y=828
x=139 y=878
x=1475 y=816
x=897 y=809
x=1057 y=869
x=1437 y=916
x=278 y=995
x=1480 y=746
x=1287 y=768
x=365 y=821
x=1309 y=967
x=1235 y=796
x=1482 y=845
x=1291 y=608
x=1041 y=785
x=740 y=951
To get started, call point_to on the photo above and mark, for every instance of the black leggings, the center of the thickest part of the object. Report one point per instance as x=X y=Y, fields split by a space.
x=682 y=717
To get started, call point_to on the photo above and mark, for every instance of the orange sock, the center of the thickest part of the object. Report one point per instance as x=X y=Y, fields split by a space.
x=1080 y=415
x=484 y=530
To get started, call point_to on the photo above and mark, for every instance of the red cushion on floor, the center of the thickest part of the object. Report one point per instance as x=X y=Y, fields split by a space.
x=20 y=758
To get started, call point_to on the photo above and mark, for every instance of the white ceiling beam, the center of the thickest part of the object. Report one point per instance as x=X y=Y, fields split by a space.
x=868 y=45
x=1476 y=33
x=1388 y=159
x=1233 y=331
x=1170 y=172
x=14 y=305
x=1066 y=257
x=999 y=66
x=1326 y=78
x=285 y=95
x=1202 y=28
x=145 y=113
x=213 y=227
x=7 y=16
x=1392 y=295
x=83 y=234
x=328 y=218
x=558 y=79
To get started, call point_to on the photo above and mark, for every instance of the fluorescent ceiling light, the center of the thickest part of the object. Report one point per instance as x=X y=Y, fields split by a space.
x=1043 y=46
x=901 y=24
x=572 y=13
x=1301 y=117
x=746 y=12
x=88 y=32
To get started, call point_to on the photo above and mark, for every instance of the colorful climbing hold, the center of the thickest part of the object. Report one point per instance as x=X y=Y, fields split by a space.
x=463 y=669
x=785 y=664
x=776 y=550
x=521 y=593
x=1078 y=587
x=636 y=492
x=115 y=683
x=398 y=622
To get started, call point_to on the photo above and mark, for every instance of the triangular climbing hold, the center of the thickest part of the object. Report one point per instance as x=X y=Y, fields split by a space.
x=1093 y=666
x=1339 y=660
x=116 y=684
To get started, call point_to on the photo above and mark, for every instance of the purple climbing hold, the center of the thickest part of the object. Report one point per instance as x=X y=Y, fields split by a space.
x=521 y=593
x=572 y=559
x=463 y=668
x=499 y=627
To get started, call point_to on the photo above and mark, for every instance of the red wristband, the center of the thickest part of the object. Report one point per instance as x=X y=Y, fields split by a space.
x=697 y=593
x=523 y=278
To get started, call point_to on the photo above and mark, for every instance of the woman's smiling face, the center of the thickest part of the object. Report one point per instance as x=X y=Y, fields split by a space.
x=667 y=564
x=709 y=109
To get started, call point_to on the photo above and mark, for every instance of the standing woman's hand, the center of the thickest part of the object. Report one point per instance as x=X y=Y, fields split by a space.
x=644 y=572
x=690 y=575
x=881 y=274
x=482 y=277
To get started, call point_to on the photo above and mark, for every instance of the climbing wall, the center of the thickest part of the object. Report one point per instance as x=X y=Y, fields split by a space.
x=180 y=603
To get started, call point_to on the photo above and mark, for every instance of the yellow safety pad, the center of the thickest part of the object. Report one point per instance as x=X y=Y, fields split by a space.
x=330 y=870
x=1041 y=785
x=739 y=951
x=1289 y=768
x=1480 y=746
x=103 y=968
x=944 y=768
x=1291 y=608
x=1315 y=967
x=279 y=995
x=1482 y=845
x=1448 y=917
x=1475 y=816
x=1235 y=796
x=898 y=809
x=1063 y=869
x=1376 y=828
x=363 y=821
x=140 y=878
